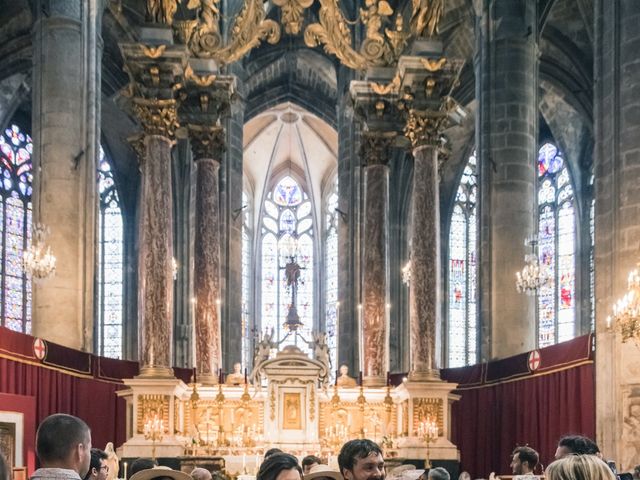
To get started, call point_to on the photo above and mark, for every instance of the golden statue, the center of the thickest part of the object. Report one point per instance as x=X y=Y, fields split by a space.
x=426 y=17
x=161 y=11
x=344 y=380
x=235 y=378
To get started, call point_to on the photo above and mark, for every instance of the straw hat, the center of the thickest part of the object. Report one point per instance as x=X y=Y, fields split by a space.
x=160 y=471
x=397 y=472
x=323 y=471
x=412 y=474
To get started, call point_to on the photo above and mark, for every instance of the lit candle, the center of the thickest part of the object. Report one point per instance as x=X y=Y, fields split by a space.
x=125 y=471
x=244 y=463
x=609 y=322
x=360 y=338
x=218 y=309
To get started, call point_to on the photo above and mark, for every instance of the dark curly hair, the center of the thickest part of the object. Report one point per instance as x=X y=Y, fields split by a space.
x=275 y=464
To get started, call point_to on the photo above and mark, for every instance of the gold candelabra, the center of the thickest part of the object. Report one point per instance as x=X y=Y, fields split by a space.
x=154 y=430
x=362 y=402
x=626 y=311
x=428 y=431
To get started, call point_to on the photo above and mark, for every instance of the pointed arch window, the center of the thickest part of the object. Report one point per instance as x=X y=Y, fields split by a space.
x=109 y=334
x=331 y=274
x=557 y=248
x=16 y=148
x=287 y=225
x=463 y=242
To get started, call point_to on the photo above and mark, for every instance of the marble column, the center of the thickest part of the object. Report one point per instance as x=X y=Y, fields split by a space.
x=66 y=118
x=425 y=288
x=155 y=270
x=207 y=144
x=375 y=152
x=506 y=64
x=617 y=222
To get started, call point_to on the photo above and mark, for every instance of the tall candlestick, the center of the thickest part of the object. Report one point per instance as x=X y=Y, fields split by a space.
x=360 y=339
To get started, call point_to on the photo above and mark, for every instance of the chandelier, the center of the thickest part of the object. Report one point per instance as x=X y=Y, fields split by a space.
x=37 y=260
x=533 y=275
x=626 y=311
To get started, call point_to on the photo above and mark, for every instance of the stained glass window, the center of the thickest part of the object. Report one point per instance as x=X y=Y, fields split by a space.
x=463 y=242
x=109 y=333
x=557 y=248
x=246 y=278
x=287 y=229
x=16 y=148
x=331 y=275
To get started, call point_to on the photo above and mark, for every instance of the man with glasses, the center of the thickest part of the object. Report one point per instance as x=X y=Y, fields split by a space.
x=98 y=468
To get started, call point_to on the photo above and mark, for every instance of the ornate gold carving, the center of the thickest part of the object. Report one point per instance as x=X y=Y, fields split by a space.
x=153 y=52
x=375 y=421
x=154 y=72
x=425 y=408
x=161 y=11
x=150 y=405
x=207 y=142
x=201 y=81
x=392 y=87
x=433 y=65
x=292 y=411
x=405 y=418
x=374 y=147
x=137 y=143
x=426 y=16
x=158 y=117
x=272 y=402
x=312 y=402
x=184 y=30
x=425 y=128
x=292 y=14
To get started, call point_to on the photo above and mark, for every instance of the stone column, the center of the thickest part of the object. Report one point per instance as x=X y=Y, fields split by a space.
x=65 y=115
x=617 y=223
x=425 y=288
x=153 y=76
x=506 y=128
x=375 y=153
x=207 y=144
x=155 y=274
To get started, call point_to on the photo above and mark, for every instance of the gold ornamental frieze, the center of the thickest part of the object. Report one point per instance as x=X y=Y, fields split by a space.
x=158 y=117
x=210 y=419
x=151 y=406
x=426 y=409
x=376 y=421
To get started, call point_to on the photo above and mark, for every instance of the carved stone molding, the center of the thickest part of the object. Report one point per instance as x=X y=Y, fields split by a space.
x=207 y=142
x=158 y=117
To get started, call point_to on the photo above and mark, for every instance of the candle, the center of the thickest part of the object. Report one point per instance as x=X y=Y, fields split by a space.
x=360 y=338
x=125 y=471
x=244 y=463
x=218 y=309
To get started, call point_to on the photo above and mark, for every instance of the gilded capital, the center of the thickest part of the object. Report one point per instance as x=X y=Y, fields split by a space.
x=207 y=142
x=157 y=117
x=424 y=128
x=375 y=146
x=137 y=143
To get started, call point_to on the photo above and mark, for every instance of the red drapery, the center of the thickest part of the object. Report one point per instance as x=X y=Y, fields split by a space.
x=504 y=405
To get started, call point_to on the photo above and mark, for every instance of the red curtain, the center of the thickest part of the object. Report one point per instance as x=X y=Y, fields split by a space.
x=56 y=391
x=534 y=409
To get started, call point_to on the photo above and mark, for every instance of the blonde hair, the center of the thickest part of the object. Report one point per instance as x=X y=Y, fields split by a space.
x=579 y=467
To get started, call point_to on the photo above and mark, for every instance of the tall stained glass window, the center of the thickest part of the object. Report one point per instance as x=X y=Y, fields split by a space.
x=463 y=244
x=16 y=148
x=331 y=273
x=287 y=227
x=557 y=248
x=109 y=333
x=246 y=278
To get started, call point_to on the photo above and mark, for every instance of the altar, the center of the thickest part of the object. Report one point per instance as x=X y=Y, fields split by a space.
x=289 y=406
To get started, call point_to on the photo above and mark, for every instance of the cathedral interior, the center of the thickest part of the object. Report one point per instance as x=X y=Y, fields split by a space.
x=245 y=224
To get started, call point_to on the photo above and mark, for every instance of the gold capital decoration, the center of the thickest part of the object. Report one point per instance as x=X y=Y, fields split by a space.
x=137 y=143
x=375 y=147
x=425 y=128
x=153 y=52
x=206 y=142
x=199 y=80
x=158 y=117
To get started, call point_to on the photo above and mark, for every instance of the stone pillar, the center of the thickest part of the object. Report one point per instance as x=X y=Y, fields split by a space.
x=207 y=144
x=153 y=75
x=425 y=288
x=65 y=116
x=375 y=153
x=506 y=65
x=617 y=224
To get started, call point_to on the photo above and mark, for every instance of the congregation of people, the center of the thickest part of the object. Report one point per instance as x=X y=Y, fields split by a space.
x=64 y=451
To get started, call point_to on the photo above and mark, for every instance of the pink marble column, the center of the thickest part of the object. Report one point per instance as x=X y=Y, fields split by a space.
x=207 y=144
x=155 y=272
x=424 y=293
x=375 y=150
